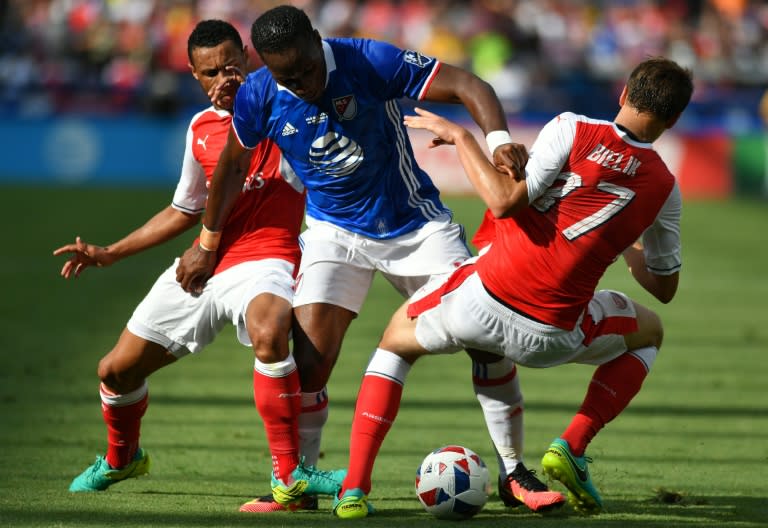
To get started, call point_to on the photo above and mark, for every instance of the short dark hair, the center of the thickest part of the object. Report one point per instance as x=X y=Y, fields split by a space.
x=211 y=33
x=661 y=87
x=279 y=29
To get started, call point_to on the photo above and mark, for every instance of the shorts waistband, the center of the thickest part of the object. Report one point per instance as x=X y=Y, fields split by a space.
x=512 y=308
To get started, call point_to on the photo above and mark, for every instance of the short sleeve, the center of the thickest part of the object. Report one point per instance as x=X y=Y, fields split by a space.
x=191 y=192
x=661 y=241
x=402 y=73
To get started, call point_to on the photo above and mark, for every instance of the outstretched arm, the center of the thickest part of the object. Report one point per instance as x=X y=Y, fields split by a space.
x=165 y=225
x=502 y=189
x=198 y=262
x=455 y=85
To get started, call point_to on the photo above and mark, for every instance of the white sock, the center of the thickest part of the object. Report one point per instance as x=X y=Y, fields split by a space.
x=385 y=364
x=314 y=414
x=498 y=390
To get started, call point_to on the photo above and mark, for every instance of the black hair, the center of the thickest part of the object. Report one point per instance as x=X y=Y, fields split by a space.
x=211 y=33
x=661 y=87
x=279 y=29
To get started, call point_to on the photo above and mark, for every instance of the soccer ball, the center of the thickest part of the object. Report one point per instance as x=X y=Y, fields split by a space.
x=453 y=483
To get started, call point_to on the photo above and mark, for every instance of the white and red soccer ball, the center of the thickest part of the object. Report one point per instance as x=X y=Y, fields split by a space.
x=453 y=483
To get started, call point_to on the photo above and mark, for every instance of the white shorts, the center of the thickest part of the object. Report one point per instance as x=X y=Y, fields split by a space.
x=184 y=323
x=337 y=266
x=468 y=317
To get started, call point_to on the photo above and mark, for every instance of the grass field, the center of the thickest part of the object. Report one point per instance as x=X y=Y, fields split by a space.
x=691 y=450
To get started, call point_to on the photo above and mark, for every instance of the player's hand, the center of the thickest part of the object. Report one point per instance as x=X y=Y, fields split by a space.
x=222 y=94
x=82 y=256
x=446 y=131
x=195 y=268
x=511 y=158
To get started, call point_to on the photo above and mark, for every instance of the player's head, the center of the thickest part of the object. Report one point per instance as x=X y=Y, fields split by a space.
x=660 y=87
x=291 y=50
x=212 y=46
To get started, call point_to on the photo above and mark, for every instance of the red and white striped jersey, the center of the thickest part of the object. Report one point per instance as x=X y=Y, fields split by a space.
x=266 y=218
x=593 y=191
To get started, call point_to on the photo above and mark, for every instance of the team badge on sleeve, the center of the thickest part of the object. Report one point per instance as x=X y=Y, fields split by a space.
x=346 y=107
x=416 y=58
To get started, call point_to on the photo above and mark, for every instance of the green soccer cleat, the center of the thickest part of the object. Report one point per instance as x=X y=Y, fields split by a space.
x=560 y=464
x=353 y=505
x=99 y=476
x=307 y=480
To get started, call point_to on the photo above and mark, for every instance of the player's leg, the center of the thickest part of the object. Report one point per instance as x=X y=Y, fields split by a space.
x=497 y=388
x=312 y=350
x=623 y=338
x=329 y=292
x=417 y=328
x=331 y=287
x=166 y=325
x=495 y=379
x=277 y=394
x=318 y=333
x=378 y=401
x=124 y=396
x=616 y=381
x=438 y=249
x=276 y=388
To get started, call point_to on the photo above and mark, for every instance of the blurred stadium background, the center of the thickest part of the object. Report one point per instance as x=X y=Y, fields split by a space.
x=98 y=91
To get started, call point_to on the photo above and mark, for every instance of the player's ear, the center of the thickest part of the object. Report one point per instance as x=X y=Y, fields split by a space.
x=192 y=69
x=623 y=96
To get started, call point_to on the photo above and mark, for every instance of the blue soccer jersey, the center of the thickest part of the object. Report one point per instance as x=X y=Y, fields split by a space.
x=350 y=147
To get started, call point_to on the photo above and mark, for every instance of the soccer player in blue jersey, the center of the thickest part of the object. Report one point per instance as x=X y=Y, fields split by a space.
x=331 y=105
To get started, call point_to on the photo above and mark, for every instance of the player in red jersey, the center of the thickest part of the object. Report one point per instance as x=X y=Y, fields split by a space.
x=252 y=286
x=591 y=190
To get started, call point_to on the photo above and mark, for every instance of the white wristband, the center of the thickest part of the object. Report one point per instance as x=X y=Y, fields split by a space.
x=497 y=138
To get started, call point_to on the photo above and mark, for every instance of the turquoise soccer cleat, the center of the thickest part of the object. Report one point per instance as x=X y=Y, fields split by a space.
x=307 y=480
x=99 y=476
x=560 y=464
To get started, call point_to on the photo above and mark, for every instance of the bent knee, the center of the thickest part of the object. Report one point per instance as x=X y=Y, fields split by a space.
x=650 y=330
x=269 y=345
x=126 y=367
x=118 y=377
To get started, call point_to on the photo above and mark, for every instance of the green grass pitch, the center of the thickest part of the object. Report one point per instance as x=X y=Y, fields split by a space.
x=691 y=450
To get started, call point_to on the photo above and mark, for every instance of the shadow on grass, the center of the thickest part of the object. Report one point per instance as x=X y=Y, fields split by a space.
x=712 y=511
x=448 y=404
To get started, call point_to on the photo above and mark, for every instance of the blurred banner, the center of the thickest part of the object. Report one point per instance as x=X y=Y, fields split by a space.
x=142 y=151
x=120 y=151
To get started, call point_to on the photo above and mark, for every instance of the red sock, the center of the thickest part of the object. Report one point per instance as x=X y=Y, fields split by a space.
x=612 y=387
x=123 y=427
x=377 y=404
x=278 y=401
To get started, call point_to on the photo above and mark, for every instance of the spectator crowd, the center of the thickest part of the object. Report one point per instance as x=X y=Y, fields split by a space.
x=541 y=56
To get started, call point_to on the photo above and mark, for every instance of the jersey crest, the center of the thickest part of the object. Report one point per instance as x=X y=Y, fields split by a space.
x=346 y=107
